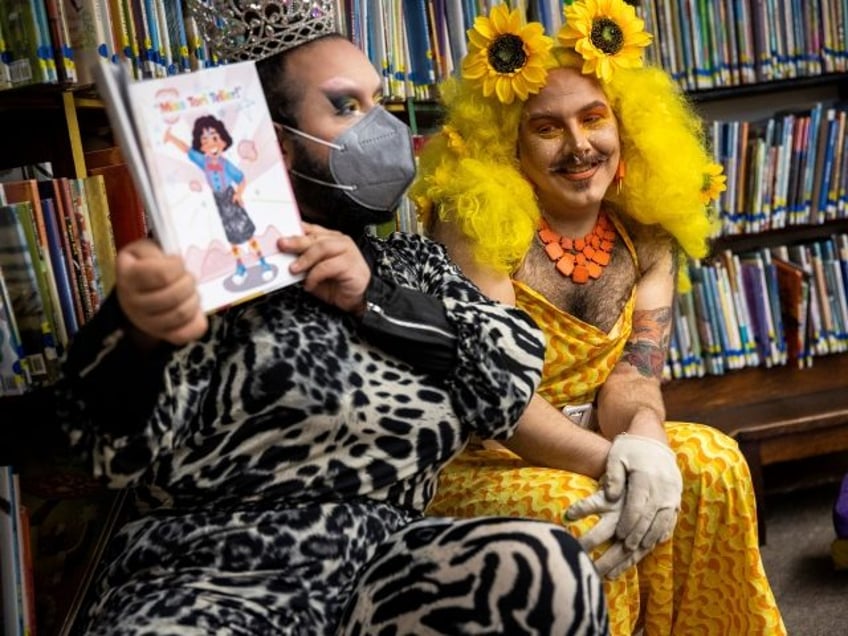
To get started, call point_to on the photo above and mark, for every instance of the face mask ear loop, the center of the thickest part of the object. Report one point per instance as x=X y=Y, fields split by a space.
x=338 y=186
x=317 y=140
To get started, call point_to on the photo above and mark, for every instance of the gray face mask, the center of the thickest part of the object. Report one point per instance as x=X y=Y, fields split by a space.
x=372 y=161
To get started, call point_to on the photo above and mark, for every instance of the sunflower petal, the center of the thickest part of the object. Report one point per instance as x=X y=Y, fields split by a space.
x=520 y=87
x=499 y=17
x=483 y=26
x=474 y=67
x=503 y=88
x=514 y=22
x=535 y=74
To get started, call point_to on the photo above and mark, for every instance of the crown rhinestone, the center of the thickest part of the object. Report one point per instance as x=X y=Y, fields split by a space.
x=238 y=30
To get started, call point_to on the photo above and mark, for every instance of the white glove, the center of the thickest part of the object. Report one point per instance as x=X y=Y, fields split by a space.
x=638 y=502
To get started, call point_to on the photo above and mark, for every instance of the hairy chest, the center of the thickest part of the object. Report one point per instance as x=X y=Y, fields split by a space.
x=598 y=302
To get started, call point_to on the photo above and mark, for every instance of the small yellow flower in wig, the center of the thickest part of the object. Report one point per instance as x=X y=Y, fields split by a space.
x=714 y=182
x=507 y=57
x=454 y=139
x=606 y=33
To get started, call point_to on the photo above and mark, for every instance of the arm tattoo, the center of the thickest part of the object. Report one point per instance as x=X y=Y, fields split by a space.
x=646 y=349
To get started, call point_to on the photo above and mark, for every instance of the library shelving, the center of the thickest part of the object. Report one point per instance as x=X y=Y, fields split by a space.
x=69 y=514
x=778 y=410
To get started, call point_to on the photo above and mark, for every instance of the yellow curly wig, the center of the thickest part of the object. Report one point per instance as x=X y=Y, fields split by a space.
x=469 y=173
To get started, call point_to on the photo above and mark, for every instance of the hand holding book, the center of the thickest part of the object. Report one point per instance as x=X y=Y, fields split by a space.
x=334 y=268
x=158 y=295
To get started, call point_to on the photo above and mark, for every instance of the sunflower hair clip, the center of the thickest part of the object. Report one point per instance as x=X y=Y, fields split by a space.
x=714 y=183
x=507 y=57
x=607 y=34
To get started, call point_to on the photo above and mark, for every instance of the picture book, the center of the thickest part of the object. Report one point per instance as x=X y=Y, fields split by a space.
x=205 y=160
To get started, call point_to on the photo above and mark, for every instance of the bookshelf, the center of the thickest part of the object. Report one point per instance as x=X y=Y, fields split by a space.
x=777 y=414
x=783 y=414
x=70 y=514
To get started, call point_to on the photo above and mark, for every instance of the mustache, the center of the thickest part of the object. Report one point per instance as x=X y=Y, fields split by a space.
x=574 y=162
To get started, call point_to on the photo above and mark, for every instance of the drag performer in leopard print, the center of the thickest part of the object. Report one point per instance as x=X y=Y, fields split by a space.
x=282 y=452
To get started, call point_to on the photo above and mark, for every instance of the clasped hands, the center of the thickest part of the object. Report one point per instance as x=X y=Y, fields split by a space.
x=637 y=503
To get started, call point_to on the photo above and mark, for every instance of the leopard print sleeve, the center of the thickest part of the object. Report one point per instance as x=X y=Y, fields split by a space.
x=116 y=406
x=500 y=351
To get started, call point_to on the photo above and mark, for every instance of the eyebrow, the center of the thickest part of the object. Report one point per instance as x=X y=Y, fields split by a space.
x=583 y=109
x=343 y=85
x=338 y=92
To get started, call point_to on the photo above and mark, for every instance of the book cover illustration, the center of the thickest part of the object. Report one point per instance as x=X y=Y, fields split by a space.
x=217 y=180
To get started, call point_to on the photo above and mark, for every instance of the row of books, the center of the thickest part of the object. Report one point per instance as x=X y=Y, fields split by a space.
x=714 y=43
x=57 y=264
x=58 y=41
x=703 y=43
x=55 y=522
x=17 y=591
x=791 y=169
x=768 y=307
x=417 y=43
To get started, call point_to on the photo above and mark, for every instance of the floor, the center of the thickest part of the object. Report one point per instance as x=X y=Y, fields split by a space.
x=811 y=593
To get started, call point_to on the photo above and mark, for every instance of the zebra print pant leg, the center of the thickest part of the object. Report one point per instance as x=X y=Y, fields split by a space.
x=478 y=576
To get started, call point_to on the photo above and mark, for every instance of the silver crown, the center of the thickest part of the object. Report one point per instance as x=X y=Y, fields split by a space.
x=255 y=29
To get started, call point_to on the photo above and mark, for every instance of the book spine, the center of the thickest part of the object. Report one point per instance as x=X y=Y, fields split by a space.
x=14 y=379
x=11 y=598
x=60 y=270
x=101 y=231
x=62 y=50
x=45 y=46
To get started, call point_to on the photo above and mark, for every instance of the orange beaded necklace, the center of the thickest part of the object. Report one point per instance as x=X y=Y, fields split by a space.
x=581 y=258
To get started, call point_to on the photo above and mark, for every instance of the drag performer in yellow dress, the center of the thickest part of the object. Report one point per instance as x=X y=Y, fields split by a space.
x=545 y=151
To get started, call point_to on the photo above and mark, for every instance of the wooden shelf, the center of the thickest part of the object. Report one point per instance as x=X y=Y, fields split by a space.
x=783 y=236
x=756 y=390
x=776 y=415
x=45 y=122
x=766 y=88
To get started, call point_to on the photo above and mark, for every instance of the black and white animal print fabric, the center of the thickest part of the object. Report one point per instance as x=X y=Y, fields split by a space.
x=283 y=474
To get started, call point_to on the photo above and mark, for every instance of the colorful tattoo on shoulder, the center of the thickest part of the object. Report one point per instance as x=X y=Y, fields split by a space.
x=646 y=349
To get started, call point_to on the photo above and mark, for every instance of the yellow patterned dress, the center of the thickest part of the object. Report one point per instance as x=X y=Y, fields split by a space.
x=709 y=578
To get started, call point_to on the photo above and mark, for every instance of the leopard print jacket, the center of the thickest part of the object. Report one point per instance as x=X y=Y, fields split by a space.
x=286 y=399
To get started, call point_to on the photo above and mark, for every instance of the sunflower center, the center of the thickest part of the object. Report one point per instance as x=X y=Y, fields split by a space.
x=607 y=35
x=506 y=53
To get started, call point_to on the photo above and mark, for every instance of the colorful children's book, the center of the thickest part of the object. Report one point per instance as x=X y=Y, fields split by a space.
x=205 y=160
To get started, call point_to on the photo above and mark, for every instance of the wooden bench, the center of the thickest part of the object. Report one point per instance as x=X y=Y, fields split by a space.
x=776 y=415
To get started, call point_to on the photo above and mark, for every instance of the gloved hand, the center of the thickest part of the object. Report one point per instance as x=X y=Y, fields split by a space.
x=638 y=502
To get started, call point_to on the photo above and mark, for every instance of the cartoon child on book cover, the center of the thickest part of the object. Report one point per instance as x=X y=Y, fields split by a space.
x=210 y=139
x=222 y=196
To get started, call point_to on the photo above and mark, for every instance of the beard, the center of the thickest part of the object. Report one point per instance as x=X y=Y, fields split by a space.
x=325 y=205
